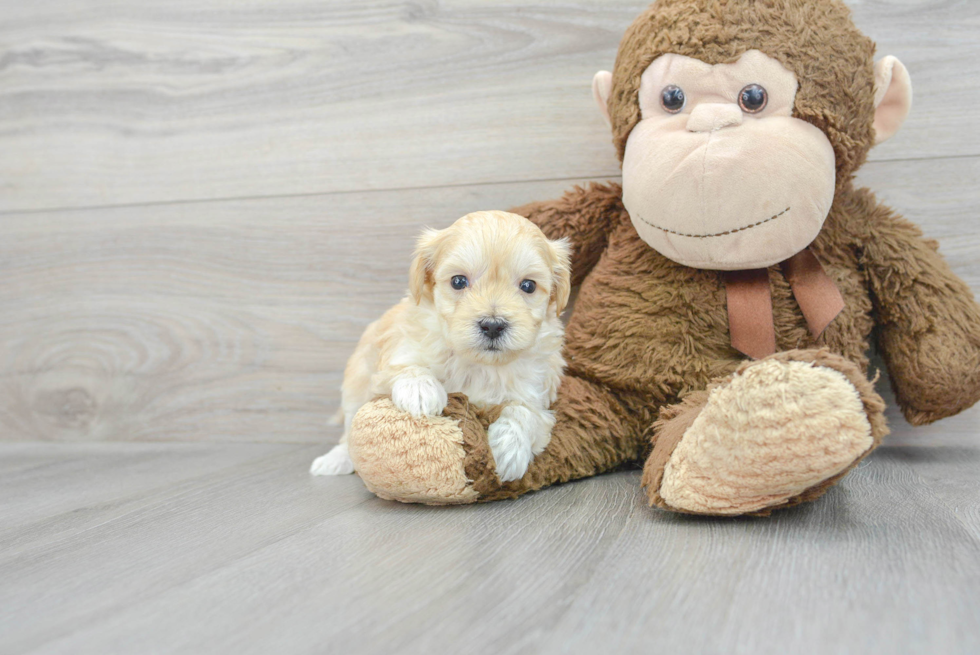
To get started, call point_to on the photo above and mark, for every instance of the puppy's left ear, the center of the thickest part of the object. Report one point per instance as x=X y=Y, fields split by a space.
x=420 y=274
x=561 y=267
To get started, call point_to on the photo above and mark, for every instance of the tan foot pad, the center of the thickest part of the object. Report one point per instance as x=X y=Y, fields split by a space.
x=412 y=460
x=775 y=430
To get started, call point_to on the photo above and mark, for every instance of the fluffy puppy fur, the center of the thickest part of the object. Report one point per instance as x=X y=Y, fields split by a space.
x=482 y=318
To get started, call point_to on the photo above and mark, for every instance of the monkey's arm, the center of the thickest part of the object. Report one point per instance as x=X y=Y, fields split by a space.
x=928 y=321
x=584 y=216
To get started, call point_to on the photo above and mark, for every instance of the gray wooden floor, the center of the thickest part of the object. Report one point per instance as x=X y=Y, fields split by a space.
x=203 y=203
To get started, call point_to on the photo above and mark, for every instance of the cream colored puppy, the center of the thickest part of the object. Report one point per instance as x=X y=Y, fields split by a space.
x=481 y=318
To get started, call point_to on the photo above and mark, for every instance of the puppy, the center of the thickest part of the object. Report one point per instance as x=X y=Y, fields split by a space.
x=481 y=318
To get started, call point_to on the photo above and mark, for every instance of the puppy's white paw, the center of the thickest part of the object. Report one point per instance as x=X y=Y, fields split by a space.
x=336 y=462
x=419 y=396
x=542 y=423
x=511 y=446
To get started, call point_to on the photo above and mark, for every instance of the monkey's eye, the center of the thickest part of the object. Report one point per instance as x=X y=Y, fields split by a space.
x=459 y=282
x=528 y=286
x=672 y=99
x=753 y=99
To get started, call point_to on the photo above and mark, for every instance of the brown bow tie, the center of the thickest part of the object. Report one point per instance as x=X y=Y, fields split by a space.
x=750 y=304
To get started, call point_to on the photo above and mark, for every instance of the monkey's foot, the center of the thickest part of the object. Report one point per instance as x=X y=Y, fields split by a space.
x=421 y=459
x=778 y=432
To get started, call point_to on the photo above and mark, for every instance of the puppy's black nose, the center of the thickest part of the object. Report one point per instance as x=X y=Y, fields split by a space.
x=493 y=328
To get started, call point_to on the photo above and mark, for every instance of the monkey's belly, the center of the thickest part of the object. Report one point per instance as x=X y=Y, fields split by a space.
x=657 y=335
x=645 y=324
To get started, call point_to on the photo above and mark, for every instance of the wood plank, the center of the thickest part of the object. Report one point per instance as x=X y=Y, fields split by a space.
x=109 y=102
x=210 y=527
x=81 y=484
x=261 y=557
x=878 y=566
x=943 y=458
x=232 y=320
x=159 y=538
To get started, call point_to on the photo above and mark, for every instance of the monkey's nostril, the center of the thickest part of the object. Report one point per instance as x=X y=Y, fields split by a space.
x=493 y=328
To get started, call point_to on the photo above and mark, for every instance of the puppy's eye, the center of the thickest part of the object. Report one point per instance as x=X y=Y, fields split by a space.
x=672 y=99
x=528 y=286
x=459 y=282
x=753 y=99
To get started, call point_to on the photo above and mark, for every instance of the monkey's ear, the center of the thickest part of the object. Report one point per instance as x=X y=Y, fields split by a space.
x=561 y=266
x=893 y=97
x=420 y=274
x=601 y=88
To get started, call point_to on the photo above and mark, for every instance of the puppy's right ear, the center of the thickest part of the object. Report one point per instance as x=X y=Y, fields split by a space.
x=561 y=256
x=420 y=274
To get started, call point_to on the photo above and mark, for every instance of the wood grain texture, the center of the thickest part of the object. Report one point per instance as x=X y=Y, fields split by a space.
x=82 y=485
x=249 y=555
x=197 y=525
x=111 y=102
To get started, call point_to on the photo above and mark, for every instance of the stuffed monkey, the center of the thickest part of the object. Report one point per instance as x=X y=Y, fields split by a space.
x=730 y=288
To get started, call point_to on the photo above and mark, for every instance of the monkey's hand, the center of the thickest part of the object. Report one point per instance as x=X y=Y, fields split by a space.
x=928 y=321
x=585 y=217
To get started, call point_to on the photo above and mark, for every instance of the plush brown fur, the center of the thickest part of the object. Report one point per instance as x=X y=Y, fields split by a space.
x=649 y=327
x=648 y=333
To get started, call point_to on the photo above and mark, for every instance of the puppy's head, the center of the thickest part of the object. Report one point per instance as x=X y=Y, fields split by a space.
x=494 y=279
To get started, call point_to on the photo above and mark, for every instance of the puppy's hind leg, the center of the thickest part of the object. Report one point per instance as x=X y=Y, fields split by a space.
x=335 y=462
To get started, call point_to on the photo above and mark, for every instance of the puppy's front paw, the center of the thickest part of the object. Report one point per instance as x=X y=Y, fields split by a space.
x=511 y=447
x=419 y=396
x=336 y=462
x=541 y=425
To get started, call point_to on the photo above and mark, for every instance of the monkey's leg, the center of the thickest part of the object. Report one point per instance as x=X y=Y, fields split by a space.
x=447 y=460
x=778 y=432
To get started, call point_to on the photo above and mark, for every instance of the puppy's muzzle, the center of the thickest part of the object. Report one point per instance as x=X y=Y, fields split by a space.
x=493 y=328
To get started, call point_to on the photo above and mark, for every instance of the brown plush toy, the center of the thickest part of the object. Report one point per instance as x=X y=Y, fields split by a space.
x=731 y=286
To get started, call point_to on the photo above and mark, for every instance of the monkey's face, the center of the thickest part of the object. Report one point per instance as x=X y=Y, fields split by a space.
x=718 y=174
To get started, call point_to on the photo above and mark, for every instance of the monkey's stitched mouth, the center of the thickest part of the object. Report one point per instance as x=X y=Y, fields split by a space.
x=719 y=234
